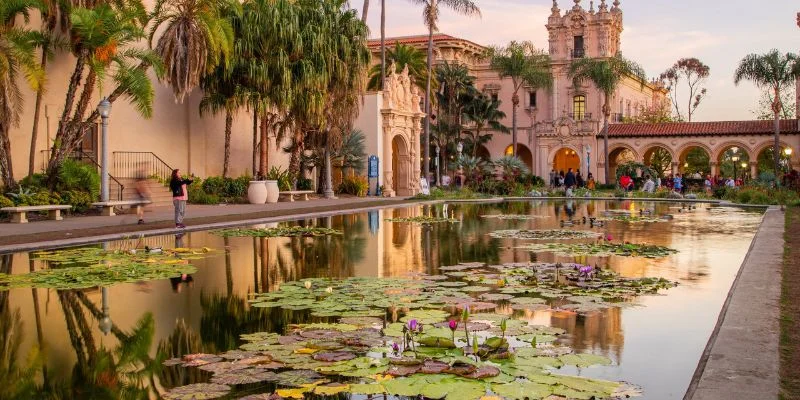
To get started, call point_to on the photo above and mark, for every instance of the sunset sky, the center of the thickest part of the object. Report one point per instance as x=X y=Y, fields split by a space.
x=657 y=33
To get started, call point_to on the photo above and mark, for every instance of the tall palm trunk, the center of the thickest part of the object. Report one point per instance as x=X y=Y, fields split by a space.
x=383 y=43
x=426 y=162
x=776 y=125
x=58 y=151
x=606 y=114
x=328 y=193
x=255 y=142
x=36 y=113
x=227 y=159
x=6 y=167
x=365 y=11
x=263 y=149
x=514 y=105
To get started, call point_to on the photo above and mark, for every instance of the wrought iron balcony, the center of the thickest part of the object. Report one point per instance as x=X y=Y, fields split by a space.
x=581 y=116
x=578 y=53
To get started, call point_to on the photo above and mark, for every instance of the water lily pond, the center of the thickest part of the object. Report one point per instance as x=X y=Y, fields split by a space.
x=526 y=299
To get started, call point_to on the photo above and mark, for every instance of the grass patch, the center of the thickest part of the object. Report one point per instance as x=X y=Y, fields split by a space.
x=790 y=307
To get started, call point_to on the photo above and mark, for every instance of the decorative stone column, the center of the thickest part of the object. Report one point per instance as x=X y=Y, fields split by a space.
x=753 y=169
x=674 y=167
x=714 y=168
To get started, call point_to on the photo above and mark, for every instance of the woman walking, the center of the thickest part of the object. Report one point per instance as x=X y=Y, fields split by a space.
x=180 y=194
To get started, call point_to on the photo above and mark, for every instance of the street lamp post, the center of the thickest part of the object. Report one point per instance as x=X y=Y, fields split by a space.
x=744 y=166
x=460 y=148
x=104 y=109
x=438 y=171
x=735 y=160
x=788 y=152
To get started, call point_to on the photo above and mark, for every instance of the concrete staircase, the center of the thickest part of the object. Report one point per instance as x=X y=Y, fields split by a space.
x=160 y=195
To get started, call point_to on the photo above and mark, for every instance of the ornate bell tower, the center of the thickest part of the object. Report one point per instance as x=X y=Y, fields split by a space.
x=584 y=33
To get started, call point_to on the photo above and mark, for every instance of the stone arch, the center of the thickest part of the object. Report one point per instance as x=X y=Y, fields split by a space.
x=663 y=167
x=402 y=168
x=523 y=153
x=565 y=157
x=617 y=146
x=730 y=164
x=484 y=153
x=615 y=152
x=683 y=153
x=652 y=146
x=723 y=147
x=768 y=145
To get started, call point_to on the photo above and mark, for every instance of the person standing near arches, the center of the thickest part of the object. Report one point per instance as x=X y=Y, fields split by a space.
x=180 y=195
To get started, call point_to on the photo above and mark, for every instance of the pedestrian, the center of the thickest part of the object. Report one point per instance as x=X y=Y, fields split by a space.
x=649 y=185
x=590 y=183
x=142 y=192
x=579 y=179
x=569 y=181
x=677 y=183
x=553 y=178
x=180 y=194
x=730 y=182
x=708 y=184
x=561 y=178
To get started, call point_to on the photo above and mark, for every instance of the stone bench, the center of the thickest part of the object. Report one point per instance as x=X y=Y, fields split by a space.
x=108 y=206
x=19 y=214
x=291 y=193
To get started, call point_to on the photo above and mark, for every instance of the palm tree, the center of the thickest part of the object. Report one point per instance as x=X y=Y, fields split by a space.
x=771 y=71
x=526 y=66
x=483 y=112
x=456 y=89
x=351 y=154
x=220 y=93
x=606 y=74
x=430 y=15
x=196 y=39
x=402 y=55
x=17 y=56
x=103 y=40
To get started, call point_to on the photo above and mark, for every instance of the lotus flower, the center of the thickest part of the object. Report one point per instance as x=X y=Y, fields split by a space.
x=307 y=284
x=395 y=348
x=453 y=324
x=465 y=313
x=503 y=326
x=609 y=238
x=412 y=325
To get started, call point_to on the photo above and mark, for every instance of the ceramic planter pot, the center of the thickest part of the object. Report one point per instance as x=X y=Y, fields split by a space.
x=257 y=192
x=272 y=191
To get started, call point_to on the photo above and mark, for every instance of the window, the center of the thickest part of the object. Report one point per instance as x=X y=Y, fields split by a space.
x=532 y=99
x=628 y=109
x=494 y=97
x=578 y=107
x=577 y=51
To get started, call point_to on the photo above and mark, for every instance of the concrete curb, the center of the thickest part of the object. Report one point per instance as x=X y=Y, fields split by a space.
x=741 y=358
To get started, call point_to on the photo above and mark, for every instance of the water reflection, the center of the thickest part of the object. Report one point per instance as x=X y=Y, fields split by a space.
x=108 y=342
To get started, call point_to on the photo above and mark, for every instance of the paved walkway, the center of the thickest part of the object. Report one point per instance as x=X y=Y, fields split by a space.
x=80 y=230
x=741 y=360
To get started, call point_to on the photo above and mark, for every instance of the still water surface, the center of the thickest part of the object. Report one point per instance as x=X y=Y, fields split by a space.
x=655 y=345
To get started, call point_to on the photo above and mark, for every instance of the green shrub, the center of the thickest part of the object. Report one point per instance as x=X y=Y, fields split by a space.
x=36 y=181
x=75 y=175
x=237 y=188
x=6 y=202
x=745 y=195
x=305 y=184
x=355 y=185
x=80 y=201
x=213 y=184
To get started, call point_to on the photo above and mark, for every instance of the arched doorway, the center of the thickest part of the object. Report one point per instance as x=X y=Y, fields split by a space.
x=401 y=167
x=659 y=159
x=765 y=161
x=565 y=159
x=523 y=153
x=483 y=153
x=734 y=162
x=694 y=163
x=619 y=156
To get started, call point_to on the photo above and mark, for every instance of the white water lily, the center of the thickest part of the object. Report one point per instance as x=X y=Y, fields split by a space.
x=329 y=290
x=307 y=284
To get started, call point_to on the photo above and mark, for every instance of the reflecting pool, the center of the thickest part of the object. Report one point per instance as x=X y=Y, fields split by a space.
x=101 y=342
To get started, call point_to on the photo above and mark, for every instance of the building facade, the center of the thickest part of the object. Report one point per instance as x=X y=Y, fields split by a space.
x=558 y=127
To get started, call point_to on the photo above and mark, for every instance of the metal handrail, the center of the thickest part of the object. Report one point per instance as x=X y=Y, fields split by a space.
x=80 y=155
x=133 y=164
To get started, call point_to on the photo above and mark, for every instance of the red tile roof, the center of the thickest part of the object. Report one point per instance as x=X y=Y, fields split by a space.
x=721 y=128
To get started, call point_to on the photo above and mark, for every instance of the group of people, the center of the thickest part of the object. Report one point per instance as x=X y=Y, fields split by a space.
x=571 y=180
x=677 y=183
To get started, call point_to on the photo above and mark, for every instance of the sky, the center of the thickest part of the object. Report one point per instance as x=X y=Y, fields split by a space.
x=656 y=34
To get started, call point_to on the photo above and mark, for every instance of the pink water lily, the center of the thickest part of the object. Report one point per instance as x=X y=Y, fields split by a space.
x=453 y=324
x=395 y=348
x=609 y=238
x=412 y=325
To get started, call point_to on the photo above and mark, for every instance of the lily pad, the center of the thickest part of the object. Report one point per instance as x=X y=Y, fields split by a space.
x=197 y=391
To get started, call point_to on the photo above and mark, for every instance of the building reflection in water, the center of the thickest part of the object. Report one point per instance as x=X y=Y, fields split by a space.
x=210 y=314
